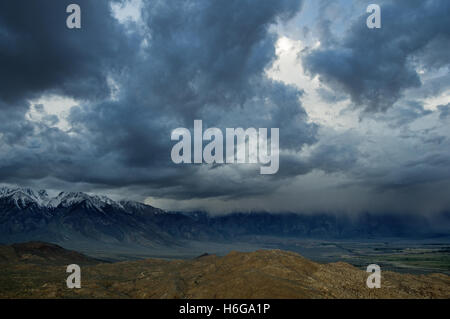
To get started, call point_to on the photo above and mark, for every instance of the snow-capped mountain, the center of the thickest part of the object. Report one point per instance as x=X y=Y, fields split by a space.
x=83 y=219
x=26 y=214
x=24 y=197
x=67 y=199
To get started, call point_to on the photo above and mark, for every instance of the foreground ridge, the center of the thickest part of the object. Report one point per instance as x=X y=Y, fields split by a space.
x=259 y=274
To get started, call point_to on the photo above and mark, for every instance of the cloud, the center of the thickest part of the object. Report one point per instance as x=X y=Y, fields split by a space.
x=375 y=66
x=38 y=53
x=196 y=60
x=93 y=109
x=444 y=111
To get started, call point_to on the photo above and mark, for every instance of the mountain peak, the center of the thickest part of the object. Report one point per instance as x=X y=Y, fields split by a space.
x=23 y=197
x=66 y=199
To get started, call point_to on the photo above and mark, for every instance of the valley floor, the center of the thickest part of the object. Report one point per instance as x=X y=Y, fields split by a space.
x=405 y=256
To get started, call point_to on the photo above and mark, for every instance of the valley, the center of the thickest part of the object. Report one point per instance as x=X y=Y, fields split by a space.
x=125 y=230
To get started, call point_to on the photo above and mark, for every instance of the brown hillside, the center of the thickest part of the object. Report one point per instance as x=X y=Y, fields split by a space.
x=260 y=274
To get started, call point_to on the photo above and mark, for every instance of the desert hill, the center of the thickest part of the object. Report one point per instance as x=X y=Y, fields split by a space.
x=259 y=274
x=42 y=253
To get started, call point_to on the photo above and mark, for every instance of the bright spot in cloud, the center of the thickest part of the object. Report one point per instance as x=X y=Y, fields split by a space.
x=289 y=70
x=56 y=105
x=434 y=102
x=129 y=10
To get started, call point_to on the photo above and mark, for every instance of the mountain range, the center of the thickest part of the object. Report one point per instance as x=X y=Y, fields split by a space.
x=29 y=215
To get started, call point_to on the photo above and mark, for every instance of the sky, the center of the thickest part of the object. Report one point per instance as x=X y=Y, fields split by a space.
x=363 y=113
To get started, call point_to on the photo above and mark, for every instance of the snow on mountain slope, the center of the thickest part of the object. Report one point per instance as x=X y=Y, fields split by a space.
x=139 y=207
x=23 y=197
x=27 y=215
x=67 y=199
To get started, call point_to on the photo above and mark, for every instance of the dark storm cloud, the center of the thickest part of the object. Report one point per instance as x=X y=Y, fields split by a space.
x=202 y=60
x=207 y=60
x=333 y=153
x=424 y=170
x=374 y=66
x=431 y=86
x=38 y=53
x=404 y=113
x=444 y=111
x=13 y=126
x=330 y=96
